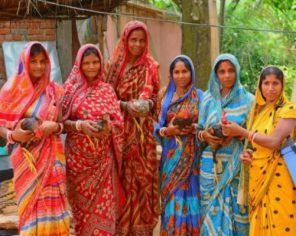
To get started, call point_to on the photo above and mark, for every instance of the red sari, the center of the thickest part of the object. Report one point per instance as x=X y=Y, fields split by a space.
x=140 y=167
x=93 y=164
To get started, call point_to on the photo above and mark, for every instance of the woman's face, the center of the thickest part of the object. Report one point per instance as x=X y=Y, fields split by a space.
x=271 y=88
x=136 y=43
x=37 y=66
x=226 y=74
x=181 y=75
x=90 y=67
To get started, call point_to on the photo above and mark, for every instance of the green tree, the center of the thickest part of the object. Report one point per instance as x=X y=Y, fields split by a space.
x=256 y=49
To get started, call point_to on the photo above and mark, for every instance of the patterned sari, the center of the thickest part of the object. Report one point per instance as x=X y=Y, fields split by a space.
x=179 y=168
x=140 y=168
x=221 y=215
x=271 y=190
x=93 y=164
x=39 y=169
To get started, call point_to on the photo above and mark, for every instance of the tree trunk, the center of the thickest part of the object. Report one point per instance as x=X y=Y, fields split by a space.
x=221 y=19
x=196 y=39
x=293 y=98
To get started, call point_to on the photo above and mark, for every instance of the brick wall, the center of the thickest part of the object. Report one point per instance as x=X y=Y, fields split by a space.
x=25 y=30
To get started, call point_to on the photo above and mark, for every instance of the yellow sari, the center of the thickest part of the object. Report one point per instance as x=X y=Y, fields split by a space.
x=271 y=190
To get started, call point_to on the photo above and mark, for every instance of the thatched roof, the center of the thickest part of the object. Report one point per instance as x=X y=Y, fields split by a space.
x=13 y=9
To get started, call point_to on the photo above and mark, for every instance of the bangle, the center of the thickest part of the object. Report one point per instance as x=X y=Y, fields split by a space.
x=163 y=132
x=200 y=135
x=9 y=137
x=250 y=136
x=253 y=138
x=78 y=125
x=123 y=105
x=194 y=130
x=61 y=128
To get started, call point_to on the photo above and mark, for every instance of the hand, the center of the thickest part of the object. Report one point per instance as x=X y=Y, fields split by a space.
x=188 y=129
x=49 y=127
x=246 y=156
x=102 y=132
x=89 y=128
x=22 y=136
x=232 y=129
x=133 y=111
x=173 y=130
x=212 y=140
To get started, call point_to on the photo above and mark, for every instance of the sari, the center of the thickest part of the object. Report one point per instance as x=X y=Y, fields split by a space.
x=140 y=167
x=39 y=169
x=272 y=194
x=179 y=167
x=93 y=164
x=221 y=215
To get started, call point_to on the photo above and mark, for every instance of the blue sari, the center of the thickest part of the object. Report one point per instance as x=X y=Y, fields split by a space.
x=221 y=215
x=179 y=168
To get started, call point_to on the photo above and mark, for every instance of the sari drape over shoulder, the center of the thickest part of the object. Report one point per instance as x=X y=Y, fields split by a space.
x=179 y=168
x=140 y=168
x=93 y=164
x=39 y=169
x=271 y=190
x=221 y=215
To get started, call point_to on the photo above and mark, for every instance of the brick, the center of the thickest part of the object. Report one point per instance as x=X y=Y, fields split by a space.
x=50 y=32
x=4 y=31
x=18 y=37
x=5 y=24
x=34 y=31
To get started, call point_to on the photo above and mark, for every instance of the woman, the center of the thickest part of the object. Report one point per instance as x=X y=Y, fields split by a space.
x=134 y=75
x=219 y=174
x=179 y=170
x=272 y=194
x=93 y=145
x=37 y=159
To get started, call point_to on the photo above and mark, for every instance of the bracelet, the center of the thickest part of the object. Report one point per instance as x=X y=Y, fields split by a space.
x=9 y=137
x=61 y=128
x=194 y=129
x=250 y=136
x=163 y=132
x=200 y=135
x=78 y=125
x=253 y=138
x=123 y=105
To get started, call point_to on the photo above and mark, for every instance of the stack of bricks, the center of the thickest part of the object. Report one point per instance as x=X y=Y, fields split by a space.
x=25 y=30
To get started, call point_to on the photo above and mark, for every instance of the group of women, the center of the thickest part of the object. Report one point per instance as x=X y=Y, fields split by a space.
x=111 y=177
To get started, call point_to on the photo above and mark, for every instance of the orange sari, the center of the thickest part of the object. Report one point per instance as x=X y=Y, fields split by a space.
x=39 y=169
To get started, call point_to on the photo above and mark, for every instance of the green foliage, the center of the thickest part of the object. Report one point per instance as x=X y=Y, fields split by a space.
x=165 y=5
x=257 y=49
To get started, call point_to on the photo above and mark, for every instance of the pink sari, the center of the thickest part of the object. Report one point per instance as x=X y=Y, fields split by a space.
x=39 y=176
x=93 y=164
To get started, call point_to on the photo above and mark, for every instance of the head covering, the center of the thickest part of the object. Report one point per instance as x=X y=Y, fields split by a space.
x=18 y=93
x=76 y=81
x=172 y=88
x=260 y=101
x=214 y=85
x=120 y=58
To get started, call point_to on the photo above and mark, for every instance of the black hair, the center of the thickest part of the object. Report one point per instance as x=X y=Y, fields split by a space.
x=271 y=70
x=218 y=64
x=173 y=64
x=36 y=49
x=90 y=51
x=136 y=29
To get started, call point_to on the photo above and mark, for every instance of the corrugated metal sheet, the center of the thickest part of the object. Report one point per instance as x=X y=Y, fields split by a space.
x=12 y=9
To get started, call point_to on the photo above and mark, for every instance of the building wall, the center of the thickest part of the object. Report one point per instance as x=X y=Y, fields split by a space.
x=25 y=30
